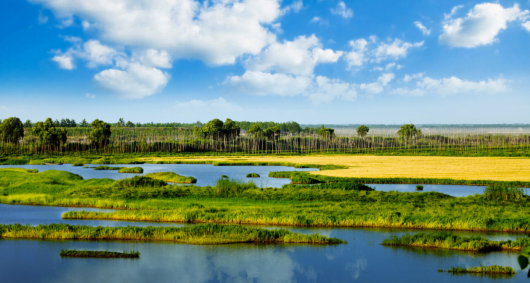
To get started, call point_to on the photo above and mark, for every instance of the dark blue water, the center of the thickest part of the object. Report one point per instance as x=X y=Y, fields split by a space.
x=363 y=259
x=206 y=174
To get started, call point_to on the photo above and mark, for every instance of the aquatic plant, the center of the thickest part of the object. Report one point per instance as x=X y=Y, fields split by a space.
x=172 y=177
x=253 y=175
x=419 y=187
x=139 y=181
x=78 y=164
x=196 y=234
x=99 y=254
x=136 y=170
x=107 y=168
x=445 y=240
x=503 y=192
x=493 y=269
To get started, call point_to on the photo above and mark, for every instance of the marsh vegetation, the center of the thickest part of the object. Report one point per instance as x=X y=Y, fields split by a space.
x=99 y=254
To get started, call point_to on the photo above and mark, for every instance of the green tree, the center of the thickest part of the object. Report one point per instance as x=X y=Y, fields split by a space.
x=217 y=129
x=120 y=123
x=28 y=124
x=408 y=130
x=84 y=123
x=49 y=135
x=255 y=131
x=100 y=133
x=272 y=132
x=230 y=129
x=362 y=130
x=130 y=124
x=12 y=130
x=326 y=133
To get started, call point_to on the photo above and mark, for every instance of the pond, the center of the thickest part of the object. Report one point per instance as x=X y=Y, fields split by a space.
x=206 y=174
x=363 y=259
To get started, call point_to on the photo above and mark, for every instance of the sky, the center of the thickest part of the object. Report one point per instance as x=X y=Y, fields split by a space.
x=320 y=61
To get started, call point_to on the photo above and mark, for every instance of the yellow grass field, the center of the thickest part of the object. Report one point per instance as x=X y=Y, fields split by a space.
x=460 y=168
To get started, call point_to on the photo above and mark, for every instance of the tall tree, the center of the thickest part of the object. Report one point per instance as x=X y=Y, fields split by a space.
x=120 y=123
x=326 y=133
x=11 y=130
x=100 y=133
x=84 y=123
x=362 y=131
x=408 y=130
x=49 y=135
x=28 y=124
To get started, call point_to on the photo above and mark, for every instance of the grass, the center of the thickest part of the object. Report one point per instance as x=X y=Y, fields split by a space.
x=204 y=234
x=231 y=201
x=253 y=175
x=493 y=269
x=99 y=254
x=171 y=177
x=445 y=240
x=107 y=168
x=136 y=170
x=503 y=192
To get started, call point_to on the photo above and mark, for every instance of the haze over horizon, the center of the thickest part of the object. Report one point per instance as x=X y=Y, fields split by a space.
x=314 y=62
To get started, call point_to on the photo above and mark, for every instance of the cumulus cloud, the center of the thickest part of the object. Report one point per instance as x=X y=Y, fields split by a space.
x=260 y=83
x=216 y=32
x=154 y=58
x=480 y=26
x=422 y=28
x=296 y=6
x=526 y=25
x=409 y=78
x=134 y=82
x=326 y=90
x=394 y=50
x=451 y=86
x=363 y=51
x=65 y=61
x=356 y=57
x=298 y=57
x=342 y=10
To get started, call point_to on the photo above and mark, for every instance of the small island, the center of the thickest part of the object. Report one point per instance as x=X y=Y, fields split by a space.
x=99 y=254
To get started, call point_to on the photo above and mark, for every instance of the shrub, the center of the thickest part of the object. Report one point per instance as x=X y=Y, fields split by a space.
x=253 y=175
x=136 y=170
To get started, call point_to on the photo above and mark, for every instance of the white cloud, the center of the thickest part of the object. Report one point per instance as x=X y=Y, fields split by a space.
x=378 y=69
x=97 y=54
x=453 y=12
x=451 y=86
x=526 y=25
x=480 y=26
x=384 y=79
x=216 y=32
x=409 y=78
x=325 y=90
x=65 y=61
x=378 y=86
x=86 y=25
x=88 y=95
x=134 y=82
x=298 y=57
x=259 y=83
x=315 y=19
x=154 y=58
x=395 y=50
x=356 y=57
x=342 y=10
x=422 y=28
x=296 y=6
x=390 y=66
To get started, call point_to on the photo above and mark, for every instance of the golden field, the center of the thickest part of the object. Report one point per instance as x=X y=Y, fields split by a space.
x=460 y=168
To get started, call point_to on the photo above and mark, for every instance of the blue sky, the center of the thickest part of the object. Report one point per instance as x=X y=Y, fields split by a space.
x=321 y=61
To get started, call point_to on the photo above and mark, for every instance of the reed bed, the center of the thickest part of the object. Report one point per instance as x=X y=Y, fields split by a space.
x=107 y=168
x=445 y=240
x=136 y=170
x=252 y=175
x=171 y=177
x=99 y=254
x=503 y=192
x=493 y=269
x=204 y=234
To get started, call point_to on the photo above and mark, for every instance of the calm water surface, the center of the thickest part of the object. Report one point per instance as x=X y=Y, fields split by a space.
x=361 y=260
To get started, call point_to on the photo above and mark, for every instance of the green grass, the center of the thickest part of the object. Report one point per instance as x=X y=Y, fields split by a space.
x=171 y=177
x=503 y=192
x=196 y=234
x=136 y=170
x=253 y=175
x=99 y=254
x=445 y=240
x=78 y=164
x=231 y=201
x=107 y=168
x=493 y=269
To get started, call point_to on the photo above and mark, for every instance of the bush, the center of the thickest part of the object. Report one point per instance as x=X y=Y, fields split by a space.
x=419 y=187
x=253 y=175
x=136 y=170
x=140 y=181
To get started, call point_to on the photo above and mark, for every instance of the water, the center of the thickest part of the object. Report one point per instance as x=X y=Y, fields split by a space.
x=452 y=190
x=363 y=259
x=206 y=174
